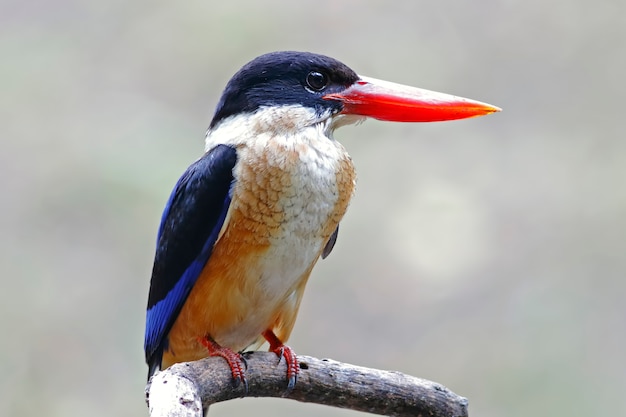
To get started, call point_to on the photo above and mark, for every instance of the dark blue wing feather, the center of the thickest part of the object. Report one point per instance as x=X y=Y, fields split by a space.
x=328 y=248
x=190 y=225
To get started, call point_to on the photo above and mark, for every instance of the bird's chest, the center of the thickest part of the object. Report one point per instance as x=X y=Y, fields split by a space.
x=288 y=199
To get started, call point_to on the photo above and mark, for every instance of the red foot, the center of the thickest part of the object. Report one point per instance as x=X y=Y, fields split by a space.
x=284 y=351
x=235 y=361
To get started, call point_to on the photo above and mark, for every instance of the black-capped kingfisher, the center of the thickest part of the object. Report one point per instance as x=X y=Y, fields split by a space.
x=246 y=223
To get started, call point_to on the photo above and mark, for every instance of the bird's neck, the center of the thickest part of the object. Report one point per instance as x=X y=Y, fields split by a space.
x=285 y=121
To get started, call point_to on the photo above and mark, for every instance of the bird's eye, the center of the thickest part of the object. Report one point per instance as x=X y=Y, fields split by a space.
x=316 y=80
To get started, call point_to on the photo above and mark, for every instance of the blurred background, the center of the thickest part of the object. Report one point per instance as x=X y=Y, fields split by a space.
x=485 y=254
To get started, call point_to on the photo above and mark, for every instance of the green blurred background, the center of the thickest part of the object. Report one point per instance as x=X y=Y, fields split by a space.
x=485 y=254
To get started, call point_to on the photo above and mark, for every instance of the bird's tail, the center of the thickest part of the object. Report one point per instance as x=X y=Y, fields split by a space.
x=153 y=367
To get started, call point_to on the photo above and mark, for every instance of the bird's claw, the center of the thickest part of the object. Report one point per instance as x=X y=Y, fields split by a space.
x=286 y=353
x=236 y=362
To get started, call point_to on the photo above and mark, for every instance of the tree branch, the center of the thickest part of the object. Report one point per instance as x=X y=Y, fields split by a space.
x=185 y=389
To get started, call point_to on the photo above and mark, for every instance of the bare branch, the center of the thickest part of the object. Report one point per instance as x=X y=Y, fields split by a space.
x=184 y=389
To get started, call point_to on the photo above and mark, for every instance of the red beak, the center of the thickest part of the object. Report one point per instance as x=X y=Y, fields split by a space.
x=393 y=102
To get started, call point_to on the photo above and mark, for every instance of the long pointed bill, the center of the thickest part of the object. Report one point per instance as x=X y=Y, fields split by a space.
x=393 y=102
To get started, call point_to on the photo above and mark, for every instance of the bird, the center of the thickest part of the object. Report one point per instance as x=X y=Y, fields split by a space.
x=246 y=223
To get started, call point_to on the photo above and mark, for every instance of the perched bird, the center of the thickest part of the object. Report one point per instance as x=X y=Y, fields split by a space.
x=246 y=223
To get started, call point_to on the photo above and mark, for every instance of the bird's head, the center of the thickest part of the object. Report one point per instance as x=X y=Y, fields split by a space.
x=288 y=90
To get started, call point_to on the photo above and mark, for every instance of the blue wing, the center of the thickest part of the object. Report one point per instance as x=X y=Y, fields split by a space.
x=190 y=225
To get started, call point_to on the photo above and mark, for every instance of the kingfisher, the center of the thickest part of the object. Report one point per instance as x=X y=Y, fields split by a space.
x=247 y=221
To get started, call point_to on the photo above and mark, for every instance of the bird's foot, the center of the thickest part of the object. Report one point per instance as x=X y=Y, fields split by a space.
x=235 y=360
x=284 y=352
